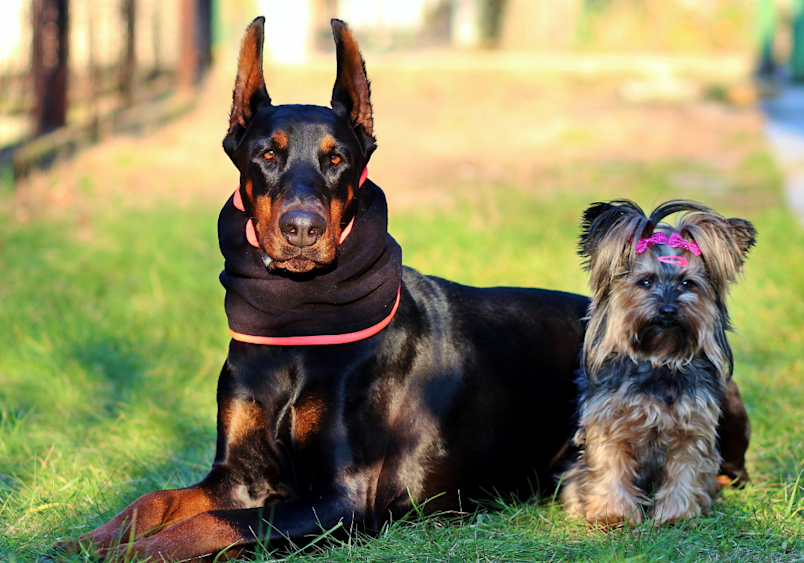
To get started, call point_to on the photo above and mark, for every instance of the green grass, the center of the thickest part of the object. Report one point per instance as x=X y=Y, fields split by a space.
x=113 y=333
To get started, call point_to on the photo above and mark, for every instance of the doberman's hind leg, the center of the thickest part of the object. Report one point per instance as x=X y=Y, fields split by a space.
x=734 y=434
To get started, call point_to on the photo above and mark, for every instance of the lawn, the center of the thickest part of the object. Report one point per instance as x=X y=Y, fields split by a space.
x=114 y=332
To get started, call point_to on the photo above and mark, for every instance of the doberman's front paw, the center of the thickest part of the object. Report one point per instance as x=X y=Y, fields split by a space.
x=66 y=551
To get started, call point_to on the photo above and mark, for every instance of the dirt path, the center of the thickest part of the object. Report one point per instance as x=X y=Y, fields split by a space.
x=444 y=122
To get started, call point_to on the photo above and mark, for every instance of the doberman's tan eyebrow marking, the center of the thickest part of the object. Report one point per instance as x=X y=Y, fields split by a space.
x=280 y=139
x=328 y=143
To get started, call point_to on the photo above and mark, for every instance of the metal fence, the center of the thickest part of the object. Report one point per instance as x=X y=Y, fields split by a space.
x=73 y=70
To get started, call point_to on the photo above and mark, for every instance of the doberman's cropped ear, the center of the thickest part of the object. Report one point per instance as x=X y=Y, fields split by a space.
x=351 y=95
x=249 y=90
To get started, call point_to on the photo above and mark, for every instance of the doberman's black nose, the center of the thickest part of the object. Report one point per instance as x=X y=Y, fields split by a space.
x=668 y=312
x=302 y=228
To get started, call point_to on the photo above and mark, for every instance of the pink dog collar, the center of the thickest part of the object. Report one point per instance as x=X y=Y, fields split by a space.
x=320 y=340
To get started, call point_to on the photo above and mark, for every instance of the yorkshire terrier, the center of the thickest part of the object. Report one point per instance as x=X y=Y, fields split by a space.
x=655 y=361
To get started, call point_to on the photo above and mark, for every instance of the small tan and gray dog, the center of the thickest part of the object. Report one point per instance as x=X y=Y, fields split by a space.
x=656 y=364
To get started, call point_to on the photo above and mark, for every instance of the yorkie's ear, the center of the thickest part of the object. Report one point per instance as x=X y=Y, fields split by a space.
x=607 y=231
x=745 y=235
x=724 y=243
x=601 y=219
x=593 y=226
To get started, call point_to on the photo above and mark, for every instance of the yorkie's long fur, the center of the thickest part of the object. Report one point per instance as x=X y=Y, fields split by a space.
x=655 y=361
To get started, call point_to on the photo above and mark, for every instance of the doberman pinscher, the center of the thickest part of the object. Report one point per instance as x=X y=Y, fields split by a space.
x=354 y=388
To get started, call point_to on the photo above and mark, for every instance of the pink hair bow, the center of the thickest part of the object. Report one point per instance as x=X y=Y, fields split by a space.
x=657 y=238
x=675 y=240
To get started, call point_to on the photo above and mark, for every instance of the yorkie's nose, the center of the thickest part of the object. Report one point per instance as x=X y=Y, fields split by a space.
x=668 y=312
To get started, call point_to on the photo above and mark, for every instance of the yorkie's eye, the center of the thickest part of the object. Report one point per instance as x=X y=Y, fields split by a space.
x=646 y=283
x=688 y=284
x=335 y=159
x=270 y=156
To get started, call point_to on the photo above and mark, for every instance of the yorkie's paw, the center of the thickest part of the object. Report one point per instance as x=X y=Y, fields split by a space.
x=612 y=512
x=668 y=512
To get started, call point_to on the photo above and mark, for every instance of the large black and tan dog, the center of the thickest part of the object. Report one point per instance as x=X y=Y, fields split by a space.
x=355 y=388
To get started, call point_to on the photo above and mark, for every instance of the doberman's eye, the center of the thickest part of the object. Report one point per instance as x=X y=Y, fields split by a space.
x=269 y=156
x=335 y=159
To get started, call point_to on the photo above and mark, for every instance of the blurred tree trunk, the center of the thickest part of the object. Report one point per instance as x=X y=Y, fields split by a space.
x=203 y=20
x=128 y=69
x=49 y=64
x=94 y=79
x=539 y=25
x=196 y=41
